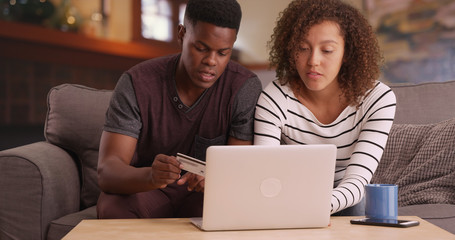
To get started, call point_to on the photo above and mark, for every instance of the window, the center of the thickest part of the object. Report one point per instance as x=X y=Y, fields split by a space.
x=157 y=20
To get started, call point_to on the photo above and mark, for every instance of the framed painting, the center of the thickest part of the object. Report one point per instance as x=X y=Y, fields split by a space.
x=417 y=38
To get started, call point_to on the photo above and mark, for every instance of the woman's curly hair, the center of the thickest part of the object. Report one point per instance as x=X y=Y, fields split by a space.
x=362 y=57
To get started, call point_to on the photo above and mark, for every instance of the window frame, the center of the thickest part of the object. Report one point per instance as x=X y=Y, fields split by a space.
x=137 y=24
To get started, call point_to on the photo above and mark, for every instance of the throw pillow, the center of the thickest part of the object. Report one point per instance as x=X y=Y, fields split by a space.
x=420 y=159
x=75 y=120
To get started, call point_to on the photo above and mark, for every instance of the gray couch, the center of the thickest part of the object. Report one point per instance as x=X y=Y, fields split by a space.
x=49 y=187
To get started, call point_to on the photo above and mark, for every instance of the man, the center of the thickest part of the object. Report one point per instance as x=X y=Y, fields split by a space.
x=180 y=103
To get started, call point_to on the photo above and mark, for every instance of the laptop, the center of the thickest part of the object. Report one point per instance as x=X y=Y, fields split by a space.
x=267 y=187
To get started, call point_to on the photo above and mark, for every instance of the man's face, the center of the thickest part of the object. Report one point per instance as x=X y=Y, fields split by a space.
x=206 y=50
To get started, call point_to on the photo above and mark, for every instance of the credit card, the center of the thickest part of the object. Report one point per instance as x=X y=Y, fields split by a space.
x=191 y=164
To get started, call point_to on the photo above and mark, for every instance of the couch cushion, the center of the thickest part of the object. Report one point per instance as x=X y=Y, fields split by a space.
x=420 y=159
x=424 y=103
x=62 y=226
x=441 y=215
x=75 y=120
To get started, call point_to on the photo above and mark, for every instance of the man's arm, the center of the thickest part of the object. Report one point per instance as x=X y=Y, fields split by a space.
x=115 y=175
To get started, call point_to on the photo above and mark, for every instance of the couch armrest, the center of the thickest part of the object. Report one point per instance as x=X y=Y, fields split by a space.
x=39 y=183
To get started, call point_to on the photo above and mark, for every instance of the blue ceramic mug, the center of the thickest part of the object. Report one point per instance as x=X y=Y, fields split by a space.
x=381 y=201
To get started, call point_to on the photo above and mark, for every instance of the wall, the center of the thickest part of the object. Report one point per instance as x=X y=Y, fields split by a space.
x=258 y=20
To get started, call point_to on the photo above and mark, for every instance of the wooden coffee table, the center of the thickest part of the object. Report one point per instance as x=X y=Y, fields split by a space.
x=181 y=228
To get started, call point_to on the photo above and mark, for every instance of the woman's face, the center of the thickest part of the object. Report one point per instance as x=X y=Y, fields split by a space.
x=320 y=55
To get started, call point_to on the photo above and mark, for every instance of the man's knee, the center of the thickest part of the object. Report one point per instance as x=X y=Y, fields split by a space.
x=111 y=206
x=152 y=204
x=192 y=206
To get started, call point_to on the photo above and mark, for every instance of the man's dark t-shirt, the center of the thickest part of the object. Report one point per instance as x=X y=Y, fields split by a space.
x=145 y=105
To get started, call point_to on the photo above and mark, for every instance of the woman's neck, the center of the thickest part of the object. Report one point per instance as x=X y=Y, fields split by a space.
x=326 y=105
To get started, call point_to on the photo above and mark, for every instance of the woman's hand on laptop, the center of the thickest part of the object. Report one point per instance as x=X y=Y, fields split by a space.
x=195 y=182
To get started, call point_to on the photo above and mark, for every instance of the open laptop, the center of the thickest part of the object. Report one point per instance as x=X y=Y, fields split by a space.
x=267 y=187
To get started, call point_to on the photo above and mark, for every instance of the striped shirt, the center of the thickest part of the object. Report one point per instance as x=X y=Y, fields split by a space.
x=360 y=134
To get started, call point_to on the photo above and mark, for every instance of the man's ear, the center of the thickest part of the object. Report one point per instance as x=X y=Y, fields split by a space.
x=181 y=30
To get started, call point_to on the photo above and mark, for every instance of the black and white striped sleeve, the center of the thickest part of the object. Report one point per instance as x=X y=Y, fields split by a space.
x=368 y=149
x=270 y=115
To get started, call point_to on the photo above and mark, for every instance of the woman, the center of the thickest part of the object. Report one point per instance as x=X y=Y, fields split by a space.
x=327 y=63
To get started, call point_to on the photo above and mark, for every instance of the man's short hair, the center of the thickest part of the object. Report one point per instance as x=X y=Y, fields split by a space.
x=222 y=13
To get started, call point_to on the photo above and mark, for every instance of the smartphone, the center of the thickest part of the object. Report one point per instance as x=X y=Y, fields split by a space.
x=385 y=222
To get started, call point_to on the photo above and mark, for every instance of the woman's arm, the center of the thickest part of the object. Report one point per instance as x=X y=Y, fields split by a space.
x=269 y=116
x=367 y=152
